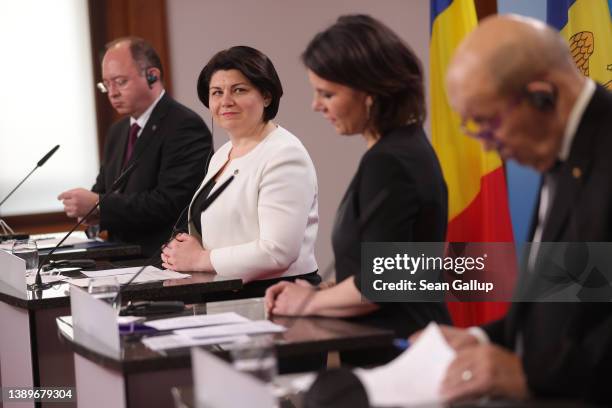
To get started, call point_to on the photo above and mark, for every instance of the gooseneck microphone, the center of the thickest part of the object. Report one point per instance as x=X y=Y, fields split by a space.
x=117 y=184
x=207 y=203
x=39 y=164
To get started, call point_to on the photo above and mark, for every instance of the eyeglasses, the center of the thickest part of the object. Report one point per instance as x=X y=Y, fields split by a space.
x=117 y=83
x=484 y=129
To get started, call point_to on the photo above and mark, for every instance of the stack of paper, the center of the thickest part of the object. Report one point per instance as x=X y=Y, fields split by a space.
x=200 y=330
x=183 y=322
x=171 y=341
x=413 y=378
x=48 y=241
x=123 y=275
x=256 y=327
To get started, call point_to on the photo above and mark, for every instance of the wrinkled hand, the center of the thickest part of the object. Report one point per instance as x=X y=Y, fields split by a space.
x=289 y=298
x=485 y=370
x=185 y=254
x=458 y=339
x=78 y=201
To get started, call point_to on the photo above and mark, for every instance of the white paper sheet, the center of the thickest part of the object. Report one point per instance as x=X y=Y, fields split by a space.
x=126 y=320
x=257 y=327
x=150 y=274
x=120 y=319
x=171 y=341
x=414 y=377
x=182 y=322
x=120 y=271
x=48 y=241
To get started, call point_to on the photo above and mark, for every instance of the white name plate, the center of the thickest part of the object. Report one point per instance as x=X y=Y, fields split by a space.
x=211 y=375
x=13 y=271
x=94 y=317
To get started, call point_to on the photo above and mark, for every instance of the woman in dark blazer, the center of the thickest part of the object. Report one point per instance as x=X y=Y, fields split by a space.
x=367 y=81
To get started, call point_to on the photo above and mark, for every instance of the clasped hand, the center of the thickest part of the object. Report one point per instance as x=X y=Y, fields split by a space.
x=290 y=298
x=185 y=254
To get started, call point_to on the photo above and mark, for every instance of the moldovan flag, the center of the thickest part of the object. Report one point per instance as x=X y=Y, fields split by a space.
x=587 y=26
x=477 y=195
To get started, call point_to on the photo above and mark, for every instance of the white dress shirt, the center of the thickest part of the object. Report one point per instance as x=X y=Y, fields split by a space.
x=546 y=195
x=144 y=118
x=264 y=224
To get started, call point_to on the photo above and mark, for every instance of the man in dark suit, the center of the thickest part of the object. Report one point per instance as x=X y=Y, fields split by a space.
x=516 y=87
x=169 y=142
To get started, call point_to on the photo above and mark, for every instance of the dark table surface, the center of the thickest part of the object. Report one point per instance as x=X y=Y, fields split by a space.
x=304 y=335
x=194 y=289
x=94 y=250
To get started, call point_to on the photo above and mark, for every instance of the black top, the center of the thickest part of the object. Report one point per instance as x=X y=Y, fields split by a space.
x=403 y=164
x=567 y=347
x=196 y=207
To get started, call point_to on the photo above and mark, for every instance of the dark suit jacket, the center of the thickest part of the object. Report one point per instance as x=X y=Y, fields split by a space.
x=567 y=347
x=171 y=152
x=404 y=165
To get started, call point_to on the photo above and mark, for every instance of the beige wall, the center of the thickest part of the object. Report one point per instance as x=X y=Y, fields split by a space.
x=281 y=29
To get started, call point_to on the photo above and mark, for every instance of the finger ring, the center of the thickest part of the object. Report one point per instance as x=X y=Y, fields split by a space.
x=467 y=375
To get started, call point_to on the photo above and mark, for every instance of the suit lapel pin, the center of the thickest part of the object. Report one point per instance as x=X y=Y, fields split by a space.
x=154 y=128
x=576 y=172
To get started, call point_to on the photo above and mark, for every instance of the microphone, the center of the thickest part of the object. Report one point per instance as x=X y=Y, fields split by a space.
x=47 y=156
x=207 y=203
x=117 y=184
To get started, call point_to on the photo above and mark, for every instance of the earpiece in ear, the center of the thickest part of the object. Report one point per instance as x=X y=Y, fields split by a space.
x=151 y=79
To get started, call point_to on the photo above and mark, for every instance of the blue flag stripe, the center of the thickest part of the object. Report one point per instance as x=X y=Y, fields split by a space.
x=436 y=8
x=556 y=12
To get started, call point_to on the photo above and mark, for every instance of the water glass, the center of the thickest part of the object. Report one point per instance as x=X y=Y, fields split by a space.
x=256 y=357
x=27 y=250
x=106 y=288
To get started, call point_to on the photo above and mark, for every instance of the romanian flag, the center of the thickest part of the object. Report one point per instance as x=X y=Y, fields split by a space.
x=587 y=26
x=477 y=194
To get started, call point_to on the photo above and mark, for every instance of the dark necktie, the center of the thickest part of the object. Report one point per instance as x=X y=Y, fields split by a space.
x=133 y=136
x=551 y=179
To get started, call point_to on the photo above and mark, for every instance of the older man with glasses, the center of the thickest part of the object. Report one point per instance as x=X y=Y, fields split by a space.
x=516 y=87
x=169 y=142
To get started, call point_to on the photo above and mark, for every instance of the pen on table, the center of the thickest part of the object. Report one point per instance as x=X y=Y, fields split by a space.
x=401 y=344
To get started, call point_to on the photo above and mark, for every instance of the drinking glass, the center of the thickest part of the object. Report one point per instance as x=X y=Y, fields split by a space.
x=256 y=357
x=106 y=288
x=27 y=250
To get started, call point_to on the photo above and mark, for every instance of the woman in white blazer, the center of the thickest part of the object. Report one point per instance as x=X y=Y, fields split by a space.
x=263 y=225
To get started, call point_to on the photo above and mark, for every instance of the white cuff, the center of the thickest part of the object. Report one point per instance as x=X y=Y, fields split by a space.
x=480 y=334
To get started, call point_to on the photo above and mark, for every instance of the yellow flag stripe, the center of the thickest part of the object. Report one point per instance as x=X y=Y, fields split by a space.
x=463 y=160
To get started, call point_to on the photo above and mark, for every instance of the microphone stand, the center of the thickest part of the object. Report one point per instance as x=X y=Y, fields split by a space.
x=38 y=284
x=209 y=200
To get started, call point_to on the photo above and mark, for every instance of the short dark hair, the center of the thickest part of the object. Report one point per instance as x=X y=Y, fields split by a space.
x=143 y=53
x=254 y=65
x=362 y=53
